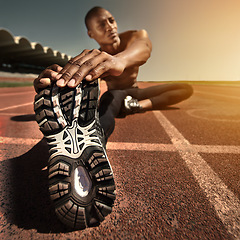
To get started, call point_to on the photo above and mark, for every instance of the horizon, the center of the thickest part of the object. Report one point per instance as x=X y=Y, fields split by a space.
x=191 y=40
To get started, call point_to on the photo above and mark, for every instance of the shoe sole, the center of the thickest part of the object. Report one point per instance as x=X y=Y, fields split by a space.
x=81 y=183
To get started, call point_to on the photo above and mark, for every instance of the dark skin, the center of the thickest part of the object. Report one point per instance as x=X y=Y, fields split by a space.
x=117 y=61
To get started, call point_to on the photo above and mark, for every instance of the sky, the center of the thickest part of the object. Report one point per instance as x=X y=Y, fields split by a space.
x=192 y=39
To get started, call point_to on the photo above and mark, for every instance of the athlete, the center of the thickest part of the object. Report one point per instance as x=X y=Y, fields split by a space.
x=117 y=61
x=80 y=176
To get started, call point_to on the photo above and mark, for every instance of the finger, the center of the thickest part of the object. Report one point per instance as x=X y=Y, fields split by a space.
x=100 y=70
x=74 y=59
x=44 y=82
x=48 y=73
x=84 y=62
x=64 y=75
x=86 y=68
x=41 y=83
x=55 y=67
x=45 y=78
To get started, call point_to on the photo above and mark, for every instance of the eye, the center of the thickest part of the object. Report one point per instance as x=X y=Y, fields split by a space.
x=111 y=20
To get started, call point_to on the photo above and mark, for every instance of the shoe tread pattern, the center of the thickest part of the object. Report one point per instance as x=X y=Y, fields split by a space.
x=73 y=211
x=99 y=203
x=88 y=103
x=44 y=114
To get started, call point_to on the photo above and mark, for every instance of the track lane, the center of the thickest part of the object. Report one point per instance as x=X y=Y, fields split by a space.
x=157 y=196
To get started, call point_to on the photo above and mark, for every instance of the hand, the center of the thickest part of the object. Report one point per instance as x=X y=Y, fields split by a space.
x=89 y=65
x=46 y=77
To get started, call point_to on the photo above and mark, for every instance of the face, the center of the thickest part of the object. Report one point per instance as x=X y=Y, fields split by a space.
x=103 y=28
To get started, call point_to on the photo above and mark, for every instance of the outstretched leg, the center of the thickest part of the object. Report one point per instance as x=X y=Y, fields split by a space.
x=109 y=108
x=160 y=96
x=81 y=183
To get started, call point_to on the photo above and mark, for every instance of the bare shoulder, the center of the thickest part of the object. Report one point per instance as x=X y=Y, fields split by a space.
x=128 y=37
x=133 y=34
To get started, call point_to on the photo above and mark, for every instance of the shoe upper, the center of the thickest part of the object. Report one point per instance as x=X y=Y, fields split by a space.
x=132 y=105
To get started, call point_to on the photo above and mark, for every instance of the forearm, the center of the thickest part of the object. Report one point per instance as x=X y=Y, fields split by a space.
x=93 y=64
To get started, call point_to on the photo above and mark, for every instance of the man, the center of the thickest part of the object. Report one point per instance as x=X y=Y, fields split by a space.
x=80 y=175
x=117 y=62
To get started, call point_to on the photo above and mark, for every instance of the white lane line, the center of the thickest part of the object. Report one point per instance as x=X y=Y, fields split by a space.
x=19 y=141
x=217 y=95
x=216 y=149
x=16 y=106
x=16 y=93
x=138 y=146
x=226 y=204
x=110 y=145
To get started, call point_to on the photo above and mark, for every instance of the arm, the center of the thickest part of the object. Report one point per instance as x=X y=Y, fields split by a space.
x=138 y=49
x=93 y=64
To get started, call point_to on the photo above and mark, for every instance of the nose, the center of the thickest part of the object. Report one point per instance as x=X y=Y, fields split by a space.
x=109 y=25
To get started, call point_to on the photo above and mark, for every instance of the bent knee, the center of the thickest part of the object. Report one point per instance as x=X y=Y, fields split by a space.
x=188 y=89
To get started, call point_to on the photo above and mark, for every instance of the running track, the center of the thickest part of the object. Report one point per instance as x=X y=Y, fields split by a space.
x=176 y=170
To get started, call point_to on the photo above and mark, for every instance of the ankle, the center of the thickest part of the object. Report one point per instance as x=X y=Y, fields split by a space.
x=146 y=104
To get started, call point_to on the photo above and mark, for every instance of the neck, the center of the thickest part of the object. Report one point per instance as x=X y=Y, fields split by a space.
x=111 y=48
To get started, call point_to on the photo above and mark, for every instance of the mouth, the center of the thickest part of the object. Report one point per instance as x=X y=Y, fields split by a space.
x=112 y=34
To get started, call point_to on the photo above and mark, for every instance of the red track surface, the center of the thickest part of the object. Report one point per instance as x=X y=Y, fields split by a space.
x=177 y=171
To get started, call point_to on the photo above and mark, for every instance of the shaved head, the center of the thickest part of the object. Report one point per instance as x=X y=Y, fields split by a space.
x=91 y=13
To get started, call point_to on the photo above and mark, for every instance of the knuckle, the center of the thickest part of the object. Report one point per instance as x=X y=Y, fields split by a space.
x=103 y=66
x=67 y=74
x=88 y=63
x=78 y=64
x=59 y=68
x=52 y=66
x=86 y=51
x=112 y=60
x=55 y=67
x=96 y=51
x=53 y=74
x=71 y=61
x=104 y=54
x=94 y=72
x=78 y=75
x=45 y=72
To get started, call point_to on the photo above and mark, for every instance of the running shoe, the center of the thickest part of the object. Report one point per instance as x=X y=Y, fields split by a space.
x=131 y=105
x=81 y=183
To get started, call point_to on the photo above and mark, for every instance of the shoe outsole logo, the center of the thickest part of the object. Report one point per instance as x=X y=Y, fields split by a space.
x=69 y=120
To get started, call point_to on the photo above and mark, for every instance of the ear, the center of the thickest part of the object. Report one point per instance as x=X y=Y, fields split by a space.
x=90 y=34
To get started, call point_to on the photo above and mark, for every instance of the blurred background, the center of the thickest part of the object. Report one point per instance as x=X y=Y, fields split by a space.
x=192 y=40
